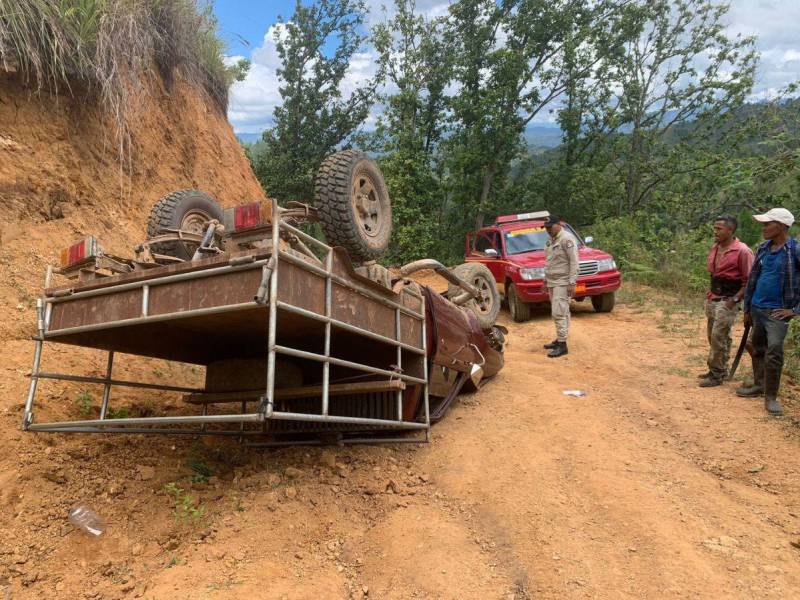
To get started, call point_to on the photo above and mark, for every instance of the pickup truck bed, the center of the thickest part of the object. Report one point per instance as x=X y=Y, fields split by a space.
x=257 y=320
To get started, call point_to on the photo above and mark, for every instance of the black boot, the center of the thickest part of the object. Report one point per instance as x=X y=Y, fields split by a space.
x=559 y=350
x=757 y=389
x=551 y=345
x=772 y=406
x=772 y=383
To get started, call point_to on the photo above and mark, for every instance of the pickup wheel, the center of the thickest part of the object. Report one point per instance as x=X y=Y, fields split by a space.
x=604 y=302
x=520 y=310
x=353 y=203
x=487 y=306
x=188 y=210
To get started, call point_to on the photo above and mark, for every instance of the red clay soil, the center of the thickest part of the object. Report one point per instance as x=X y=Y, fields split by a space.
x=648 y=487
x=61 y=178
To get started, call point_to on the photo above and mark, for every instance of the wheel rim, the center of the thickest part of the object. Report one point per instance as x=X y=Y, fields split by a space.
x=484 y=300
x=367 y=206
x=194 y=221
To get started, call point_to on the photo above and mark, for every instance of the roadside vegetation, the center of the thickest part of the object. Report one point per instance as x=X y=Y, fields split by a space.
x=681 y=315
x=657 y=135
x=107 y=49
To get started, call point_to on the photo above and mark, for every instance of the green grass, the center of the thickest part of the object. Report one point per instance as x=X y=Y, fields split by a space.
x=200 y=470
x=120 y=413
x=678 y=371
x=186 y=509
x=84 y=403
x=175 y=561
x=103 y=49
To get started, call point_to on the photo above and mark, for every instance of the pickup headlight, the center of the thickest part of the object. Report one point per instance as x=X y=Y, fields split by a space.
x=530 y=273
x=606 y=264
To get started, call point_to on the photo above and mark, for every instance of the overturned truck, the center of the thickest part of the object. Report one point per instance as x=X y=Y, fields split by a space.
x=302 y=341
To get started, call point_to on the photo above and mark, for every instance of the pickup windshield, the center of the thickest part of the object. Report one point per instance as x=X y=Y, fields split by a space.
x=525 y=240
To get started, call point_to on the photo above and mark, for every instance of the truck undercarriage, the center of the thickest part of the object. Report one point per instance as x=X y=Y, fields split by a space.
x=298 y=345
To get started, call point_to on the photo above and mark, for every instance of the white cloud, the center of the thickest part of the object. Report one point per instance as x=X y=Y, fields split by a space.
x=253 y=100
x=773 y=22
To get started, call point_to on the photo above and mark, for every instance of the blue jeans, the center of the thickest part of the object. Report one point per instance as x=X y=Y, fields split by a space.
x=768 y=336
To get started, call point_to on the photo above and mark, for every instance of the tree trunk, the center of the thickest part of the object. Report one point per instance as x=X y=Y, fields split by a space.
x=487 y=185
x=633 y=180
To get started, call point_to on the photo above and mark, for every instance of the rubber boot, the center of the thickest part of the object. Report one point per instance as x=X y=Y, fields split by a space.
x=559 y=350
x=750 y=391
x=772 y=383
x=551 y=345
x=772 y=406
x=757 y=389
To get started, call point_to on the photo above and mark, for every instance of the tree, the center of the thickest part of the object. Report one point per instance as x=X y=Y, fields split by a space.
x=314 y=118
x=516 y=57
x=416 y=60
x=678 y=80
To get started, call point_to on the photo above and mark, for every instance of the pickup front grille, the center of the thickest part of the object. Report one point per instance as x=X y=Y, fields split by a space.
x=587 y=267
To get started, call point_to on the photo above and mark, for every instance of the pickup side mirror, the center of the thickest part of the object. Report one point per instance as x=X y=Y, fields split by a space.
x=588 y=240
x=491 y=252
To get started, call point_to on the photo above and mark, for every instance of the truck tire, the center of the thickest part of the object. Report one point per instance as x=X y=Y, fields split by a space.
x=487 y=307
x=604 y=303
x=520 y=310
x=188 y=210
x=353 y=203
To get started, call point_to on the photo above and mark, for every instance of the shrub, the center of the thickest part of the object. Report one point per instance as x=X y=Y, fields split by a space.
x=650 y=252
x=106 y=47
x=84 y=403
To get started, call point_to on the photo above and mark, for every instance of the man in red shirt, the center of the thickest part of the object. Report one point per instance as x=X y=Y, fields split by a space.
x=729 y=263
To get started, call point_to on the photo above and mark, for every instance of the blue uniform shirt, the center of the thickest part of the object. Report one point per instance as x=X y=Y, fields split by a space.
x=768 y=287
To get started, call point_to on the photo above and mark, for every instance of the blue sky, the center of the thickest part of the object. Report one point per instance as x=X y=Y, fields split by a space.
x=249 y=21
x=253 y=100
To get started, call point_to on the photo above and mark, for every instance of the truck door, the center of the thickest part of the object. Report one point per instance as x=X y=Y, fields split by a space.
x=482 y=242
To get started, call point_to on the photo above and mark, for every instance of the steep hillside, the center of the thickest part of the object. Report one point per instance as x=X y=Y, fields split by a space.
x=61 y=177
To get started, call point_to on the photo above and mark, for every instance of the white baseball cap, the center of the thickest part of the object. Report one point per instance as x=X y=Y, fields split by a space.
x=781 y=215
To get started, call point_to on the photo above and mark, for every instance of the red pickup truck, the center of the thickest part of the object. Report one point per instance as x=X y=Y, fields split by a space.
x=513 y=250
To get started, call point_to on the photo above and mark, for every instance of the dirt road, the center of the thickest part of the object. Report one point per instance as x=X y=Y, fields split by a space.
x=648 y=487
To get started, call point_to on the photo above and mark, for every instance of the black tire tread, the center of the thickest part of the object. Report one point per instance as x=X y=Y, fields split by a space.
x=331 y=184
x=604 y=303
x=521 y=311
x=468 y=271
x=161 y=218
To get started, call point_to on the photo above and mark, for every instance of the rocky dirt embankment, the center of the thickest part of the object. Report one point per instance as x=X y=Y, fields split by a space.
x=61 y=177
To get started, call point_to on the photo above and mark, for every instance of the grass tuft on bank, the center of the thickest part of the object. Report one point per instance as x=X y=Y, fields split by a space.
x=108 y=48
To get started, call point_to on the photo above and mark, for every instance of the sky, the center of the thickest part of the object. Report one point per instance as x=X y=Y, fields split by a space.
x=248 y=28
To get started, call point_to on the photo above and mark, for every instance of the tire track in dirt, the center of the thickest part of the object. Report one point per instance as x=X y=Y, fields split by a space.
x=646 y=488
x=616 y=499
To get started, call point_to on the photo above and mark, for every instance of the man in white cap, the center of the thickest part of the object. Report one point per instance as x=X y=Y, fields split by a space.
x=771 y=299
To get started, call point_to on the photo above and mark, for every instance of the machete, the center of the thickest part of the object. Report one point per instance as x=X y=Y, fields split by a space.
x=739 y=352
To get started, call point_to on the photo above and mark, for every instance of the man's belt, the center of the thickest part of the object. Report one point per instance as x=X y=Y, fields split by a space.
x=725 y=287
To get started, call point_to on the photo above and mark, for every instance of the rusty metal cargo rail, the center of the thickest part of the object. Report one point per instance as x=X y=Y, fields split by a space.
x=253 y=301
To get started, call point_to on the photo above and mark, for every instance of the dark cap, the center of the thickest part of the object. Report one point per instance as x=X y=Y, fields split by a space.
x=552 y=220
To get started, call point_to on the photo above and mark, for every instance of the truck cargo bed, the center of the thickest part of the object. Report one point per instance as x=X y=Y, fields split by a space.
x=254 y=316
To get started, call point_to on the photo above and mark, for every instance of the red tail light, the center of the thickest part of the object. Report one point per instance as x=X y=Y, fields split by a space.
x=245 y=216
x=79 y=252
